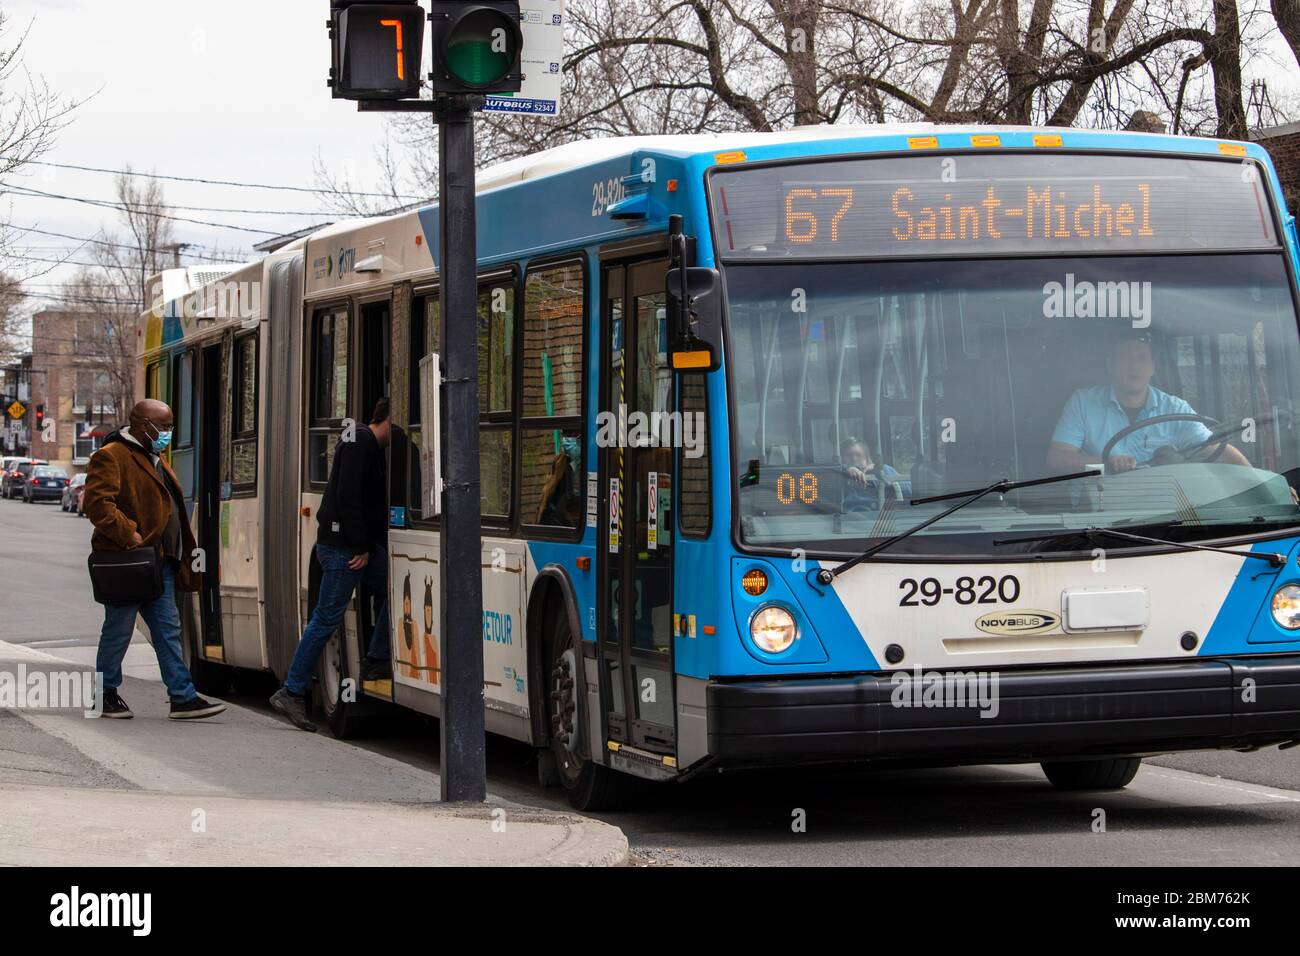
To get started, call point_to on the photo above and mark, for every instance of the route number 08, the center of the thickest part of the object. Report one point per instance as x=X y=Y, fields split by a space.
x=804 y=488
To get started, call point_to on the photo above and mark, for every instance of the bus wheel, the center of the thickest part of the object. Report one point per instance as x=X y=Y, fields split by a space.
x=1113 y=774
x=342 y=710
x=587 y=785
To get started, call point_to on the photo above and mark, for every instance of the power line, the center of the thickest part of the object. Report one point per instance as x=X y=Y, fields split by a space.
x=166 y=205
x=123 y=245
x=121 y=207
x=222 y=182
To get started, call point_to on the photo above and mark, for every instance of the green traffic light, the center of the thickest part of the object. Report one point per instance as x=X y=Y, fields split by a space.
x=481 y=48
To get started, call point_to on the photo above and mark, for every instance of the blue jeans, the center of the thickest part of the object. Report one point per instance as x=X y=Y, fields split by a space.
x=336 y=587
x=164 y=622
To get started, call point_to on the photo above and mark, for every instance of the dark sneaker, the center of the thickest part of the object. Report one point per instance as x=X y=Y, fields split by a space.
x=376 y=670
x=295 y=708
x=114 y=706
x=196 y=709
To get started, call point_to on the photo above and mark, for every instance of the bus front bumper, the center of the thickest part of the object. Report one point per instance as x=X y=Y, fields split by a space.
x=1032 y=713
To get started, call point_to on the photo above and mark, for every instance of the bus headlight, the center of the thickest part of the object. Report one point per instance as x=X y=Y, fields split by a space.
x=1286 y=607
x=773 y=629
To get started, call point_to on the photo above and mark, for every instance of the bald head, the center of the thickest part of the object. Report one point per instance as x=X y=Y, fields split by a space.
x=148 y=418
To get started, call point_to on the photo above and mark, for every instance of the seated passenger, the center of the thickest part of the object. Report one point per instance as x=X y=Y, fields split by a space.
x=862 y=478
x=1092 y=416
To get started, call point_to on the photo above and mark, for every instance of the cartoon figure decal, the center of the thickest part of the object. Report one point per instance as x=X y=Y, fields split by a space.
x=408 y=630
x=430 y=646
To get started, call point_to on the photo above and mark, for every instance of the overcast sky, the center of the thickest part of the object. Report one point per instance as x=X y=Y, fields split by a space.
x=232 y=90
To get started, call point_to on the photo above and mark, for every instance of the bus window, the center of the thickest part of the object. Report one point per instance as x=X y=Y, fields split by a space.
x=153 y=381
x=329 y=390
x=183 y=401
x=551 y=479
x=376 y=354
x=496 y=369
x=244 y=428
x=426 y=316
x=553 y=326
x=550 y=490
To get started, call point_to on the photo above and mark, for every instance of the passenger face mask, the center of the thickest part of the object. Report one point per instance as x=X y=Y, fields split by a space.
x=161 y=439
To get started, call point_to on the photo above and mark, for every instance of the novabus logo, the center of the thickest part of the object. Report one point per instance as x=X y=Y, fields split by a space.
x=1014 y=623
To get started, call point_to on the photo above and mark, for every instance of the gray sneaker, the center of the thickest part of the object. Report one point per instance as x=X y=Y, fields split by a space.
x=295 y=708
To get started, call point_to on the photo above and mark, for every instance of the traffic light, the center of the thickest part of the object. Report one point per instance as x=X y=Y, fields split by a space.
x=476 y=48
x=40 y=417
x=378 y=49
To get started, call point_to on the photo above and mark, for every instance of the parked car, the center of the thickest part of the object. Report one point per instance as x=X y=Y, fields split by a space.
x=11 y=485
x=45 y=482
x=72 y=494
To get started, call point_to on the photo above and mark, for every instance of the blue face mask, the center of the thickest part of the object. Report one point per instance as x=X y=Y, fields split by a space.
x=162 y=441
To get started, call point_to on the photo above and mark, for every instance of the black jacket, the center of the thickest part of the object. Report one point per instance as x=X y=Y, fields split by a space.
x=354 y=513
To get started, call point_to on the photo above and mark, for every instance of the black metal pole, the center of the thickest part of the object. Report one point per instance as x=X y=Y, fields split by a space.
x=464 y=767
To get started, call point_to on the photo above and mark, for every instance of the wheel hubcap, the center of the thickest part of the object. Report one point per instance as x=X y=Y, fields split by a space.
x=564 y=703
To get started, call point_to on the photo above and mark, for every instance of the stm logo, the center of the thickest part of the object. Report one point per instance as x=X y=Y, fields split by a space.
x=1015 y=623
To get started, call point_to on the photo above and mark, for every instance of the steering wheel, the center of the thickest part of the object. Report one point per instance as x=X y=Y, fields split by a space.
x=1213 y=424
x=1221 y=435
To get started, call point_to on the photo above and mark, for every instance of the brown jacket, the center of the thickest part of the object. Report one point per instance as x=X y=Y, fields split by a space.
x=124 y=494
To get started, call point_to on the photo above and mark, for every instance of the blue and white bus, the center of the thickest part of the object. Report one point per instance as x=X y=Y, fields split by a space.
x=923 y=444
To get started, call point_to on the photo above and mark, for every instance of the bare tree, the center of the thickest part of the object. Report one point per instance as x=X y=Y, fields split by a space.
x=697 y=66
x=1287 y=15
x=12 y=334
x=113 y=292
x=31 y=114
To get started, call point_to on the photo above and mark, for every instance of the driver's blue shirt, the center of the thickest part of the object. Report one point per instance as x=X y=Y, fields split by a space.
x=1094 y=415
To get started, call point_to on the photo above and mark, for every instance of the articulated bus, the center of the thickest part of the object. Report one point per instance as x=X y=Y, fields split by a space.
x=917 y=445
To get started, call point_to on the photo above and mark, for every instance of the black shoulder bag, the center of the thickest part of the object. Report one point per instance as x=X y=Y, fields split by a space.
x=124 y=578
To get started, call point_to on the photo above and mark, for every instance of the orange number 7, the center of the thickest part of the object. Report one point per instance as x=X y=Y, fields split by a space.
x=401 y=60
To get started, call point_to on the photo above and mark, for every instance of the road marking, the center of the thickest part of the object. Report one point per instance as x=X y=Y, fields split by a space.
x=1257 y=790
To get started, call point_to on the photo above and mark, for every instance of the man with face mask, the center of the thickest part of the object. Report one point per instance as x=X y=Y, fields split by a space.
x=135 y=501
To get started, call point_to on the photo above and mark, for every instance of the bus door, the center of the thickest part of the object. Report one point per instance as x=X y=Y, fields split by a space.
x=208 y=499
x=376 y=353
x=636 y=542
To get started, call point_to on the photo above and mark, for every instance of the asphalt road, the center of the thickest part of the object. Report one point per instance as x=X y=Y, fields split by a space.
x=1218 y=808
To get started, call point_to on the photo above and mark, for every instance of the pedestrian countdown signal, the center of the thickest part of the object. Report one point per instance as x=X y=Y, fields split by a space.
x=378 y=50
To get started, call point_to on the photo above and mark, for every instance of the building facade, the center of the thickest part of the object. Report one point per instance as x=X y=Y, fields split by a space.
x=78 y=386
x=1283 y=144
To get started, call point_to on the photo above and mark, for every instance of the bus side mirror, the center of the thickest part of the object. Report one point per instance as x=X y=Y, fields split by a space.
x=695 y=314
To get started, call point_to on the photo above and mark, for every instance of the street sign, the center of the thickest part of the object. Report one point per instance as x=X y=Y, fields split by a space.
x=542 y=22
x=17 y=410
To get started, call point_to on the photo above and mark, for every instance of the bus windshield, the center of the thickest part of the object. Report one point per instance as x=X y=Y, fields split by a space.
x=861 y=387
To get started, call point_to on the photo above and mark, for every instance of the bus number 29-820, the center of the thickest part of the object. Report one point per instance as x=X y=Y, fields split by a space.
x=985 y=590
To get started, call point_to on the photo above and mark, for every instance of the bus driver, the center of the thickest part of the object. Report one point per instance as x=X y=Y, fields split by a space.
x=1092 y=416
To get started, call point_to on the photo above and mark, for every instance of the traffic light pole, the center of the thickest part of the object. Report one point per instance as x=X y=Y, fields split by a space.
x=464 y=767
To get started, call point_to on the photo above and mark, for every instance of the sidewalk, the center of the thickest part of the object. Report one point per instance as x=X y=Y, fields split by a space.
x=247 y=789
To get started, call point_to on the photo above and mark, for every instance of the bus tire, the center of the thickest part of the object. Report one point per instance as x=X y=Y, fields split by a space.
x=1112 y=774
x=343 y=716
x=587 y=785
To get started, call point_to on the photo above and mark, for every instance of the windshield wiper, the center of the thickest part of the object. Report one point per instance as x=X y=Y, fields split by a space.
x=827 y=577
x=1274 y=559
